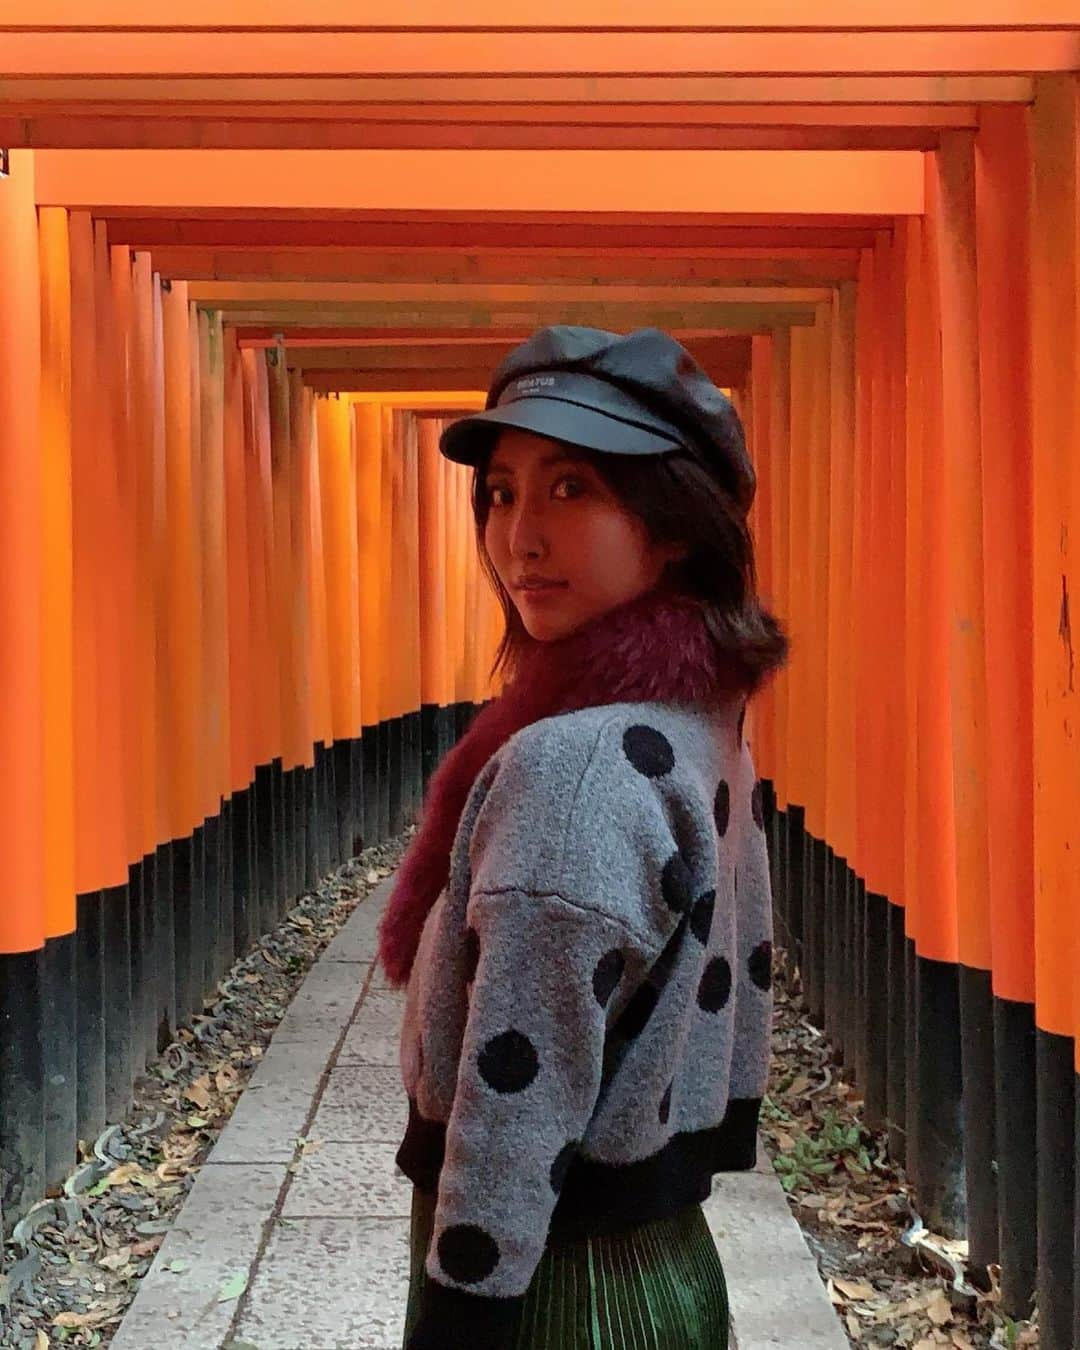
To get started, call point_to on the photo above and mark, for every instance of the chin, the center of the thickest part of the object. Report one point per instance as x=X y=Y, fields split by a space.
x=547 y=630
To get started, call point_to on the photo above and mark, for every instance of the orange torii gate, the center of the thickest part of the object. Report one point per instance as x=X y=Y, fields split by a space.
x=866 y=230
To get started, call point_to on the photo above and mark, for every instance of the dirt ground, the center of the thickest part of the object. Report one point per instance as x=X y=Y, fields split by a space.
x=892 y=1282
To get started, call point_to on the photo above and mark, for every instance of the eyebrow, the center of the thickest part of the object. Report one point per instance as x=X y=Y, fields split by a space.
x=558 y=457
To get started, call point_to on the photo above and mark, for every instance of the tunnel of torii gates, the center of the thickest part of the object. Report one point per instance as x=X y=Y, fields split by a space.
x=241 y=615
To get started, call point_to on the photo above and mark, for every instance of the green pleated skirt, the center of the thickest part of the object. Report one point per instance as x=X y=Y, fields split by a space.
x=659 y=1286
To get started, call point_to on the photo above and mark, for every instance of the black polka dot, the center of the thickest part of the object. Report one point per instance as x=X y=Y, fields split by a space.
x=742 y=722
x=676 y=884
x=665 y=1106
x=722 y=807
x=638 y=1011
x=606 y=976
x=472 y=954
x=509 y=1063
x=756 y=809
x=561 y=1166
x=648 y=751
x=702 y=917
x=761 y=965
x=467 y=1253
x=715 y=988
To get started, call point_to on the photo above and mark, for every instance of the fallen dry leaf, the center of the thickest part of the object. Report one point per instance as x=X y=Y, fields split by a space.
x=116 y=1259
x=86 y=1319
x=198 y=1092
x=855 y=1289
x=939 y=1309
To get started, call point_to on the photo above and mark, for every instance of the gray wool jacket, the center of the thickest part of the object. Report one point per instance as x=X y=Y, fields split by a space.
x=586 y=1031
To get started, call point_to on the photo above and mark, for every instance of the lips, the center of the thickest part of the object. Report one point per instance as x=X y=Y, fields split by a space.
x=539 y=585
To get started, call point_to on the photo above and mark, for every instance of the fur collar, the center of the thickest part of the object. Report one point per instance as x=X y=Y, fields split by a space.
x=656 y=649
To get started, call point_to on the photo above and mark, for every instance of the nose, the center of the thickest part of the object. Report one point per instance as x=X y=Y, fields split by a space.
x=528 y=539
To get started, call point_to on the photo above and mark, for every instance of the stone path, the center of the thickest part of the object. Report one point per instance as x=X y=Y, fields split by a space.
x=295 y=1234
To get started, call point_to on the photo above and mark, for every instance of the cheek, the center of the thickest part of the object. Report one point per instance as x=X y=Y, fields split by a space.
x=495 y=544
x=615 y=550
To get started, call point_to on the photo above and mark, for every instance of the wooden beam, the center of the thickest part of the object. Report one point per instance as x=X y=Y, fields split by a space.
x=757 y=15
x=478 y=355
x=248 y=335
x=355 y=381
x=785 y=181
x=437 y=267
x=491 y=233
x=469 y=378
x=661 y=51
x=913 y=118
x=241 y=93
x=747 y=317
x=226 y=295
x=74 y=129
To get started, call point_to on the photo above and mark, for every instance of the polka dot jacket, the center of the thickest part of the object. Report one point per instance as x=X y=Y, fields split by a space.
x=586 y=1030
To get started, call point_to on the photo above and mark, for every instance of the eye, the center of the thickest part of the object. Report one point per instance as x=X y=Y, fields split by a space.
x=493 y=494
x=570 y=486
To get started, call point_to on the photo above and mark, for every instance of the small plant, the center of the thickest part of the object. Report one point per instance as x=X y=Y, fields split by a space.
x=834 y=1145
x=799 y=1166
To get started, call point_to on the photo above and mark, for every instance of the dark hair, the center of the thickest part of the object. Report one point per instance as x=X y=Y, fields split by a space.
x=680 y=500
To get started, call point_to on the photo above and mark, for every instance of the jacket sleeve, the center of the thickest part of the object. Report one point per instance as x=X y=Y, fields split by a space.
x=528 y=1082
x=737 y=1147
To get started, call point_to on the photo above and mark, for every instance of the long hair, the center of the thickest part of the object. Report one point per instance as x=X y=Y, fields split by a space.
x=679 y=500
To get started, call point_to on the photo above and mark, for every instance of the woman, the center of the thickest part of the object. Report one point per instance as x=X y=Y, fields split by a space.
x=583 y=919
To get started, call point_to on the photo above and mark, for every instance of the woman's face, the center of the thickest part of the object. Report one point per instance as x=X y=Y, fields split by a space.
x=563 y=545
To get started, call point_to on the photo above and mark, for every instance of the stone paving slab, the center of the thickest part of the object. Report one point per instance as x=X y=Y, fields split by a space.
x=375 y=1036
x=330 y=1284
x=215 y=1239
x=776 y=1293
x=362 y=1102
x=320 y=1231
x=265 y=1124
x=353 y=1180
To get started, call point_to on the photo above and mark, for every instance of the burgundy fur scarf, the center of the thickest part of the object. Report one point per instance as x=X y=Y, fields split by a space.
x=656 y=648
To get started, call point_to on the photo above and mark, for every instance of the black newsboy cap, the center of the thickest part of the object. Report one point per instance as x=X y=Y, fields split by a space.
x=639 y=393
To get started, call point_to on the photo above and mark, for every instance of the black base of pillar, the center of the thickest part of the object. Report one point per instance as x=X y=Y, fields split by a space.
x=116 y=921
x=141 y=961
x=59 y=1027
x=90 y=1023
x=211 y=936
x=977 y=1059
x=1055 y=1078
x=896 y=1084
x=385 y=781
x=164 y=948
x=369 y=753
x=245 y=875
x=429 y=742
x=938 y=1097
x=22 y=1089
x=1014 y=1116
x=199 y=920
x=812 y=909
x=359 y=819
x=396 y=769
x=795 y=875
x=346 y=816
x=878 y=1066
x=183 y=956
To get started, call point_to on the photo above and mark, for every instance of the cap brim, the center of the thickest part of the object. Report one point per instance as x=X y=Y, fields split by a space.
x=467 y=439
